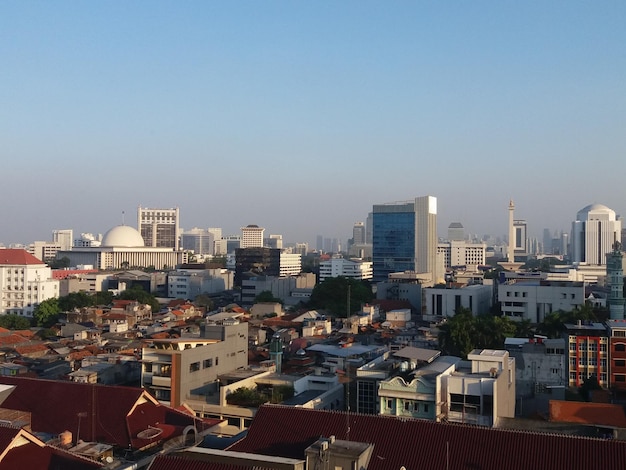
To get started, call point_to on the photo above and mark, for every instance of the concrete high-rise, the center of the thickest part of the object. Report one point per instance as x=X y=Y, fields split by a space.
x=358 y=233
x=594 y=232
x=64 y=238
x=615 y=277
x=404 y=237
x=159 y=228
x=252 y=236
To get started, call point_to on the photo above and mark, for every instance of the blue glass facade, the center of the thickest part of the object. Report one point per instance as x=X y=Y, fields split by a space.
x=393 y=243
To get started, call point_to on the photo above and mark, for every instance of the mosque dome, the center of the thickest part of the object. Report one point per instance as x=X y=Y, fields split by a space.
x=123 y=236
x=595 y=209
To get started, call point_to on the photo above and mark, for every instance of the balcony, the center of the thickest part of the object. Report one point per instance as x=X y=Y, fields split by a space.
x=159 y=381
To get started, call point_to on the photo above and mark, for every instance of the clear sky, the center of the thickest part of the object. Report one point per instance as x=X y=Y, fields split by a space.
x=298 y=116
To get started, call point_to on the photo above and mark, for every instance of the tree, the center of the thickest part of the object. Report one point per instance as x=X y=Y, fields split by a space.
x=47 y=312
x=14 y=322
x=267 y=296
x=332 y=295
x=141 y=296
x=60 y=263
x=588 y=386
x=74 y=300
x=464 y=332
x=203 y=300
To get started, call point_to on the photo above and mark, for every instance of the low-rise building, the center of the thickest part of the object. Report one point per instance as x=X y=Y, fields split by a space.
x=616 y=331
x=587 y=353
x=175 y=369
x=350 y=268
x=484 y=392
x=533 y=299
x=446 y=302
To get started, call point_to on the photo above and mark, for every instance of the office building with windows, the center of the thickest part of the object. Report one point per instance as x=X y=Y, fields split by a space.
x=404 y=238
x=594 y=232
x=252 y=236
x=25 y=282
x=160 y=228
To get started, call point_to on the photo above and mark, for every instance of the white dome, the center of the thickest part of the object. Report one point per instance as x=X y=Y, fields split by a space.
x=583 y=214
x=123 y=236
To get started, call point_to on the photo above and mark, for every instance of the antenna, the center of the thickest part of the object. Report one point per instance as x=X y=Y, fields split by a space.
x=123 y=218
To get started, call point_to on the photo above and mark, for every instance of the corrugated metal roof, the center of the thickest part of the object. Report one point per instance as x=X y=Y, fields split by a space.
x=418 y=444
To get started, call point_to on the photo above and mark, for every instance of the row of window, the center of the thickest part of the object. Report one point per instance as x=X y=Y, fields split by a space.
x=195 y=366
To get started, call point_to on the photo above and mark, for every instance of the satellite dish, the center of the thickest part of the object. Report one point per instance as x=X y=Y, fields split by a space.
x=109 y=459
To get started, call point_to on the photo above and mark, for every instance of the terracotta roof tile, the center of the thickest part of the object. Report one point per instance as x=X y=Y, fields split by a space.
x=287 y=432
x=19 y=257
x=104 y=411
x=602 y=414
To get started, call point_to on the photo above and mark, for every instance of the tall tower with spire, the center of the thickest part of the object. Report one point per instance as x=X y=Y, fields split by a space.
x=511 y=247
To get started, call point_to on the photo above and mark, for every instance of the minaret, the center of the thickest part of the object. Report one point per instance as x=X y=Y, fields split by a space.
x=511 y=247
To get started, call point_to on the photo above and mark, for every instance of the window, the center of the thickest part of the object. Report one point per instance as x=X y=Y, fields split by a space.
x=390 y=404
x=217 y=361
x=620 y=378
x=620 y=333
x=207 y=363
x=408 y=406
x=147 y=367
x=620 y=347
x=425 y=408
x=620 y=362
x=194 y=366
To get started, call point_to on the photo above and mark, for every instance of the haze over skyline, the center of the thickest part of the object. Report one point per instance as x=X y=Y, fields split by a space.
x=298 y=117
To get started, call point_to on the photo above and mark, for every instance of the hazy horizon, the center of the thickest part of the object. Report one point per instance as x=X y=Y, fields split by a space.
x=298 y=117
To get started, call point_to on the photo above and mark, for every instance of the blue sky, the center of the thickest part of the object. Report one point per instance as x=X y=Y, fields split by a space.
x=299 y=116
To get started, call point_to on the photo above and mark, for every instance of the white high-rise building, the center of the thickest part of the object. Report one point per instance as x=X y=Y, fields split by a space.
x=25 y=282
x=64 y=238
x=252 y=236
x=461 y=253
x=426 y=236
x=274 y=241
x=593 y=233
x=354 y=269
x=160 y=228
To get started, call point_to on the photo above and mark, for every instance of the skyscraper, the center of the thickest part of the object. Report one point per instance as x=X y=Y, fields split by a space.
x=252 y=236
x=404 y=237
x=160 y=228
x=358 y=233
x=64 y=238
x=594 y=232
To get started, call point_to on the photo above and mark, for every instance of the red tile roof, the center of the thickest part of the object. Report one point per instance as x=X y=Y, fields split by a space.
x=19 y=257
x=601 y=414
x=64 y=273
x=287 y=432
x=187 y=462
x=109 y=414
x=30 y=452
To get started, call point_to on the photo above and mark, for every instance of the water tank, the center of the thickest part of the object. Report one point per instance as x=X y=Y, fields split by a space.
x=66 y=438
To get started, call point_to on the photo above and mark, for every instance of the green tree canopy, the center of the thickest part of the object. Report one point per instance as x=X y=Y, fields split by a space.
x=332 y=295
x=267 y=296
x=47 y=313
x=59 y=263
x=14 y=322
x=464 y=332
x=141 y=296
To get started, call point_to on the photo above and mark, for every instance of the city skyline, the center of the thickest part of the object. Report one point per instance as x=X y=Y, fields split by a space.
x=300 y=117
